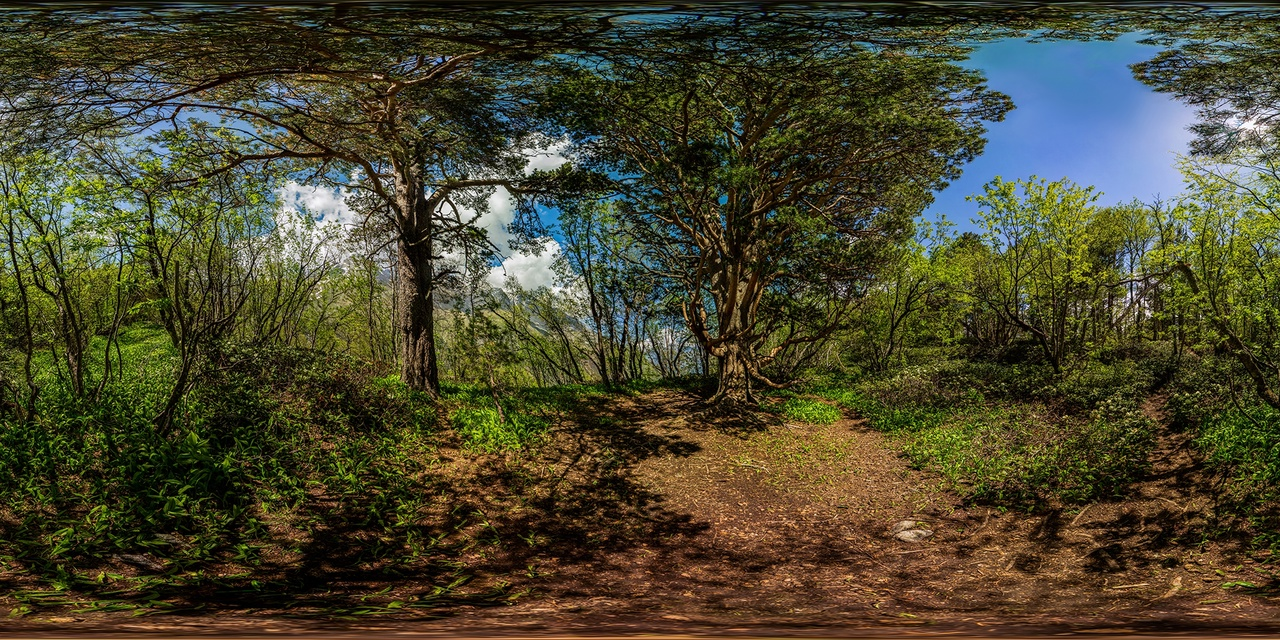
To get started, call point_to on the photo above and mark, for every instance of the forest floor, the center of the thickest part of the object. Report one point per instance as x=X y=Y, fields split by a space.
x=640 y=516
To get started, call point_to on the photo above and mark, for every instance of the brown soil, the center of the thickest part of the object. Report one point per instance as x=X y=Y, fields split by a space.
x=640 y=516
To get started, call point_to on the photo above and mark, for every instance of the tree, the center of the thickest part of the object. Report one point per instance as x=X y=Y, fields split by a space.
x=767 y=180
x=604 y=265
x=910 y=284
x=1044 y=270
x=421 y=107
x=1226 y=63
x=1230 y=261
x=205 y=248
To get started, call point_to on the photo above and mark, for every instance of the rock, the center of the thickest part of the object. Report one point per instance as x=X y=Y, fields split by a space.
x=140 y=561
x=904 y=525
x=913 y=535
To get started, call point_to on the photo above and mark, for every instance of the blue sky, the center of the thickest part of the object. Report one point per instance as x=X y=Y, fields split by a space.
x=1079 y=114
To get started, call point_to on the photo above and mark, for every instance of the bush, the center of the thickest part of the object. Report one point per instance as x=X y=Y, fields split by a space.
x=1202 y=390
x=990 y=429
x=888 y=418
x=265 y=431
x=1023 y=456
x=1086 y=388
x=1246 y=449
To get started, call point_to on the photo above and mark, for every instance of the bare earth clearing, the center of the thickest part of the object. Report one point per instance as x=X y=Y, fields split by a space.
x=641 y=518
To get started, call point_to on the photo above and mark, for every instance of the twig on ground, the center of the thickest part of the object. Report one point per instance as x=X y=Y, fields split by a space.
x=1080 y=515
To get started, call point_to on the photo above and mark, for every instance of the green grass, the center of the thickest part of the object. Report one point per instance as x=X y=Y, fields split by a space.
x=810 y=411
x=481 y=428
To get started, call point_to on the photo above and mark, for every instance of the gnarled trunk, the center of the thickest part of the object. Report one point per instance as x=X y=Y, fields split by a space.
x=737 y=299
x=415 y=286
x=734 y=384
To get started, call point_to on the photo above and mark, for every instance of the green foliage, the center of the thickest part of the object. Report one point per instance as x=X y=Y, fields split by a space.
x=915 y=304
x=810 y=160
x=484 y=429
x=524 y=418
x=1245 y=445
x=979 y=426
x=269 y=432
x=1201 y=390
x=1088 y=386
x=1051 y=251
x=1021 y=456
x=811 y=411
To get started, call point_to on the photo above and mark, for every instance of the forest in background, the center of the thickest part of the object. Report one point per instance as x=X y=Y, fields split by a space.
x=192 y=370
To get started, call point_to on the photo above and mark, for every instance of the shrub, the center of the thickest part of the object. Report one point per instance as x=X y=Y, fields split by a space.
x=1246 y=449
x=1022 y=455
x=265 y=431
x=989 y=428
x=1085 y=388
x=1201 y=391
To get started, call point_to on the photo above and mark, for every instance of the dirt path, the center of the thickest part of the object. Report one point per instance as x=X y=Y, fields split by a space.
x=790 y=525
x=638 y=518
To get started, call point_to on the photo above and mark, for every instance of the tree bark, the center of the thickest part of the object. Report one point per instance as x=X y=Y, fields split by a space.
x=737 y=299
x=415 y=286
x=734 y=384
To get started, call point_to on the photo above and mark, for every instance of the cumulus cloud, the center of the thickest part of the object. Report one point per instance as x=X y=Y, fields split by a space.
x=550 y=158
x=495 y=221
x=526 y=269
x=327 y=206
x=329 y=209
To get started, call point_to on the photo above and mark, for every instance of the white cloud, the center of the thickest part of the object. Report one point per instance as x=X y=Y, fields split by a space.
x=327 y=206
x=548 y=159
x=528 y=270
x=494 y=221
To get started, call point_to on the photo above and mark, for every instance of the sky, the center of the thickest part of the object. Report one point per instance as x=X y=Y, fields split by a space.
x=1079 y=114
x=529 y=270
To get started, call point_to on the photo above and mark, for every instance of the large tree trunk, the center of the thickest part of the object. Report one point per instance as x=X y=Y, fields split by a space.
x=415 y=286
x=734 y=385
x=737 y=300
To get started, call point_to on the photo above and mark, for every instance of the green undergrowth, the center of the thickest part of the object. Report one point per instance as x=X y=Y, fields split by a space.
x=524 y=420
x=277 y=455
x=1239 y=437
x=528 y=414
x=809 y=410
x=485 y=429
x=270 y=444
x=1011 y=436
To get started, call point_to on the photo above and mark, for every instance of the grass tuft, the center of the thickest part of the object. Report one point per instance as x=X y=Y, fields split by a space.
x=483 y=429
x=810 y=411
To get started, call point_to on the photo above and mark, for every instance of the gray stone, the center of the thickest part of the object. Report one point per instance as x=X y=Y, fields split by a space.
x=913 y=535
x=903 y=526
x=140 y=561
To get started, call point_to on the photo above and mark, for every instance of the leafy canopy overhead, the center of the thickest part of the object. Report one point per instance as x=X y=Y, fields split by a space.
x=769 y=177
